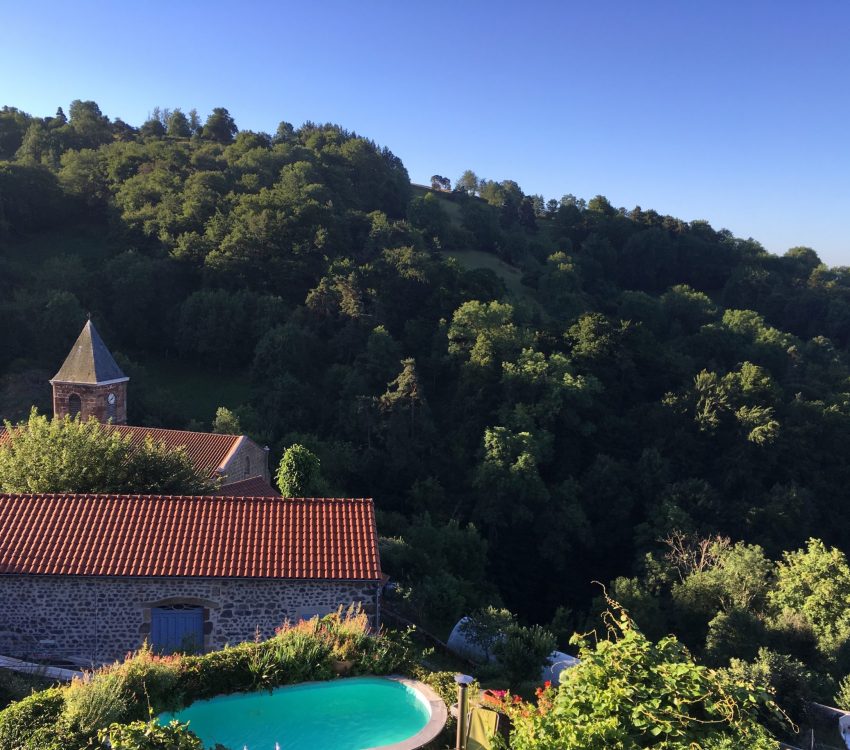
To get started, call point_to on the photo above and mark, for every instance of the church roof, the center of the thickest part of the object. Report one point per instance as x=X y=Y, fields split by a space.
x=209 y=452
x=200 y=536
x=89 y=361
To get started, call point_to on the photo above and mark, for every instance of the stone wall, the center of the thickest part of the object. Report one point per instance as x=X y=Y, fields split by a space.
x=93 y=400
x=99 y=619
x=249 y=460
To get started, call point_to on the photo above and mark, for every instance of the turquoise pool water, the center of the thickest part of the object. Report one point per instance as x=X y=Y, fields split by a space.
x=351 y=714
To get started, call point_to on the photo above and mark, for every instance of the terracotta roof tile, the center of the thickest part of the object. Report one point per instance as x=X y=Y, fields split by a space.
x=252 y=487
x=208 y=451
x=151 y=535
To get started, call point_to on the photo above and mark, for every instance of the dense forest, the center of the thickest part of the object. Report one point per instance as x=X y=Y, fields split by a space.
x=609 y=395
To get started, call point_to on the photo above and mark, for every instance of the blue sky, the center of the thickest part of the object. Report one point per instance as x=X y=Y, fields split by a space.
x=733 y=112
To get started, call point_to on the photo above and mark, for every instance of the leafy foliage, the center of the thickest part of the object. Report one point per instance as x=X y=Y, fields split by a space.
x=628 y=692
x=299 y=472
x=31 y=718
x=149 y=735
x=522 y=652
x=71 y=455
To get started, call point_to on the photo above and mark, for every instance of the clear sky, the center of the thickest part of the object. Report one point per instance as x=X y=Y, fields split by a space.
x=733 y=112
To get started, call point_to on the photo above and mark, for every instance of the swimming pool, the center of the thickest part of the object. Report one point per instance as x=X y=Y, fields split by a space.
x=350 y=714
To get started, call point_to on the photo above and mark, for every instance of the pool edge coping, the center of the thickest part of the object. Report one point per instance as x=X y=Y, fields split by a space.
x=436 y=724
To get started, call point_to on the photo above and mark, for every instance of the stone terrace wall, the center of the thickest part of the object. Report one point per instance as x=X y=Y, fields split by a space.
x=100 y=619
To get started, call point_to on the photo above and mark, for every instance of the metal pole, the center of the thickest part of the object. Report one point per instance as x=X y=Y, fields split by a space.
x=463 y=682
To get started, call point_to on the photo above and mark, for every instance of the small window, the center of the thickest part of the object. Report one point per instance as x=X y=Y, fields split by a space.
x=74 y=404
x=247 y=466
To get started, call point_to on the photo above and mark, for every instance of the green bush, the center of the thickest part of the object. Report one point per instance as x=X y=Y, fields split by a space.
x=96 y=701
x=791 y=683
x=391 y=652
x=629 y=692
x=21 y=721
x=149 y=735
x=442 y=683
x=150 y=682
x=523 y=653
x=216 y=673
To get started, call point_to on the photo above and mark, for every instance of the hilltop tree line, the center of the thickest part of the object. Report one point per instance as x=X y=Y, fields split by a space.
x=655 y=376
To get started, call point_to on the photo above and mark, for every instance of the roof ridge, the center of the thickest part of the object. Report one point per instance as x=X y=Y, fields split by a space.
x=175 y=429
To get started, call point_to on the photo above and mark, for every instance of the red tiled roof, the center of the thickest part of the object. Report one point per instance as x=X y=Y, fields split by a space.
x=251 y=487
x=226 y=537
x=208 y=451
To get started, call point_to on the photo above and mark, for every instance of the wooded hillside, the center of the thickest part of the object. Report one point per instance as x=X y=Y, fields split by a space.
x=641 y=375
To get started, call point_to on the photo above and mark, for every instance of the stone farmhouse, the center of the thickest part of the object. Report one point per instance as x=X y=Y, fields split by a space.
x=87 y=578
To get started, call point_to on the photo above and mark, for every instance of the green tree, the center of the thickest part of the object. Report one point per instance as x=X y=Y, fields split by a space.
x=226 y=422
x=157 y=469
x=178 y=125
x=90 y=126
x=815 y=582
x=71 y=455
x=152 y=128
x=220 y=126
x=485 y=334
x=299 y=473
x=486 y=628
x=467 y=182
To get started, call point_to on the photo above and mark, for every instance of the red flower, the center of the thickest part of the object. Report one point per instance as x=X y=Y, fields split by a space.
x=517 y=699
x=547 y=684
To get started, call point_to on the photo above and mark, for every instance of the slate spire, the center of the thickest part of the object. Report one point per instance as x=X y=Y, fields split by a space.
x=89 y=361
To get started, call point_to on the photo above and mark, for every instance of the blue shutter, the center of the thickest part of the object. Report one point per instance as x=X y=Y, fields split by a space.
x=177 y=629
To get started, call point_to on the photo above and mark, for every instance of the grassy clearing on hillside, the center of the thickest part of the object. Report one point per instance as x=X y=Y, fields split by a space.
x=199 y=389
x=451 y=208
x=512 y=276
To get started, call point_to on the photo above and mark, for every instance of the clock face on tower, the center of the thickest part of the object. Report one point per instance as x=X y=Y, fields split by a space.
x=111 y=399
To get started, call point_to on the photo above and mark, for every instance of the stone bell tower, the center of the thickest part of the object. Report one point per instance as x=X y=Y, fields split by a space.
x=90 y=382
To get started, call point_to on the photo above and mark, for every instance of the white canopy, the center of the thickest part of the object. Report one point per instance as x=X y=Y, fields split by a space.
x=459 y=643
x=557 y=662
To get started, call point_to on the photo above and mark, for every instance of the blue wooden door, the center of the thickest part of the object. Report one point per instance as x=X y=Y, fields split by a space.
x=177 y=628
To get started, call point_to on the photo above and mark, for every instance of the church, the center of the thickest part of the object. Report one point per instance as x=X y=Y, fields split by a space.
x=90 y=383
